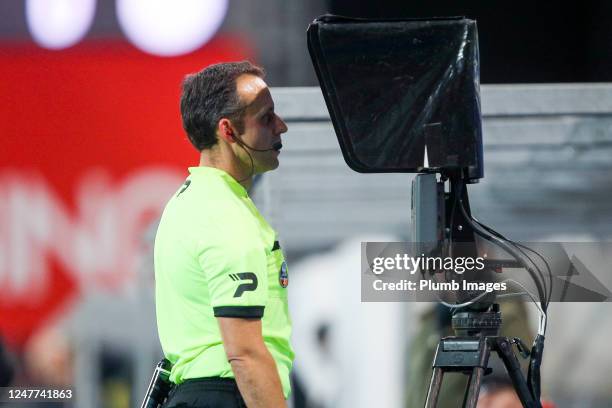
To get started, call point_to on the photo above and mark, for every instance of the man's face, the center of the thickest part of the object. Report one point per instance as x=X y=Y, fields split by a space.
x=262 y=128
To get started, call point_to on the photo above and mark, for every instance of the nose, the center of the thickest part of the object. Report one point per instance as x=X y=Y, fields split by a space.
x=281 y=125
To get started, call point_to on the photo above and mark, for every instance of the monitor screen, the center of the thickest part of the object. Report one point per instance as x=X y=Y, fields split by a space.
x=403 y=95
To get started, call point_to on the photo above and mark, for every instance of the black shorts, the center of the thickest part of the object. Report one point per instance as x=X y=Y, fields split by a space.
x=205 y=393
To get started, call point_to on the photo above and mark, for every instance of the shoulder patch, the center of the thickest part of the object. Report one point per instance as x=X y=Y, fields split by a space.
x=283 y=275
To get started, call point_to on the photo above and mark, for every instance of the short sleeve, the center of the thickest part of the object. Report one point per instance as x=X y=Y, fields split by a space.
x=236 y=273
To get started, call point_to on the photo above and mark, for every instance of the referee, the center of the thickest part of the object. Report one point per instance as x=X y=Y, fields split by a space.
x=220 y=275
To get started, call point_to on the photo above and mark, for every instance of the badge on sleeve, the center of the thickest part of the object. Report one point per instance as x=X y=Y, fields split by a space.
x=283 y=276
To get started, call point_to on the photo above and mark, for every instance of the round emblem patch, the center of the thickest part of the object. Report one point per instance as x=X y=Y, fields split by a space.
x=283 y=276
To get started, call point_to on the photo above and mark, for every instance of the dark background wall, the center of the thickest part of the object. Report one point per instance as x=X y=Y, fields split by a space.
x=520 y=42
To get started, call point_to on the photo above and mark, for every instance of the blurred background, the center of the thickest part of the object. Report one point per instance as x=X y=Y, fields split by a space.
x=92 y=147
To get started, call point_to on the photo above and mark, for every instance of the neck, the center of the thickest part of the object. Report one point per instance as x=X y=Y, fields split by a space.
x=223 y=158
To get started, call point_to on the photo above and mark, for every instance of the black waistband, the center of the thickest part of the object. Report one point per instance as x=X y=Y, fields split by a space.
x=216 y=391
x=210 y=383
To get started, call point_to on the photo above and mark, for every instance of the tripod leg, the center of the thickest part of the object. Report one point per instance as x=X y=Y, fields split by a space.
x=504 y=349
x=434 y=388
x=473 y=389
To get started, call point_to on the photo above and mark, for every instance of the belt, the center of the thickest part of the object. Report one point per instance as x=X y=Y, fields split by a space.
x=216 y=391
x=210 y=383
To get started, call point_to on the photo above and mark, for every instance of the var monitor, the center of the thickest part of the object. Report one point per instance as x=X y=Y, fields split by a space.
x=403 y=95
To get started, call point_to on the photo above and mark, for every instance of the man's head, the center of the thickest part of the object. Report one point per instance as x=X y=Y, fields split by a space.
x=228 y=107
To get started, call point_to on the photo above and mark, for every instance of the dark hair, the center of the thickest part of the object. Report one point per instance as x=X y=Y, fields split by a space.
x=210 y=95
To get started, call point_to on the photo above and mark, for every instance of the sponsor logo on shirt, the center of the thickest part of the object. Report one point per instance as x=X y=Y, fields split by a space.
x=250 y=286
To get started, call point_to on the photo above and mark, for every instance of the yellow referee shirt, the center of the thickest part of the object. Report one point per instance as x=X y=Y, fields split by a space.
x=215 y=256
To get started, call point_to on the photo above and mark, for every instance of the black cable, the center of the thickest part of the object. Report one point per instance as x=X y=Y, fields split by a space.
x=244 y=146
x=541 y=280
x=537 y=350
x=550 y=275
x=508 y=248
x=543 y=301
x=547 y=289
x=252 y=164
x=536 y=277
x=536 y=266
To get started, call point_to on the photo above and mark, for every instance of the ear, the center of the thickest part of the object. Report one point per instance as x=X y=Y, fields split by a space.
x=226 y=130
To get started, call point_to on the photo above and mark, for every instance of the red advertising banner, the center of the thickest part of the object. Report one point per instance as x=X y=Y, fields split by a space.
x=92 y=147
